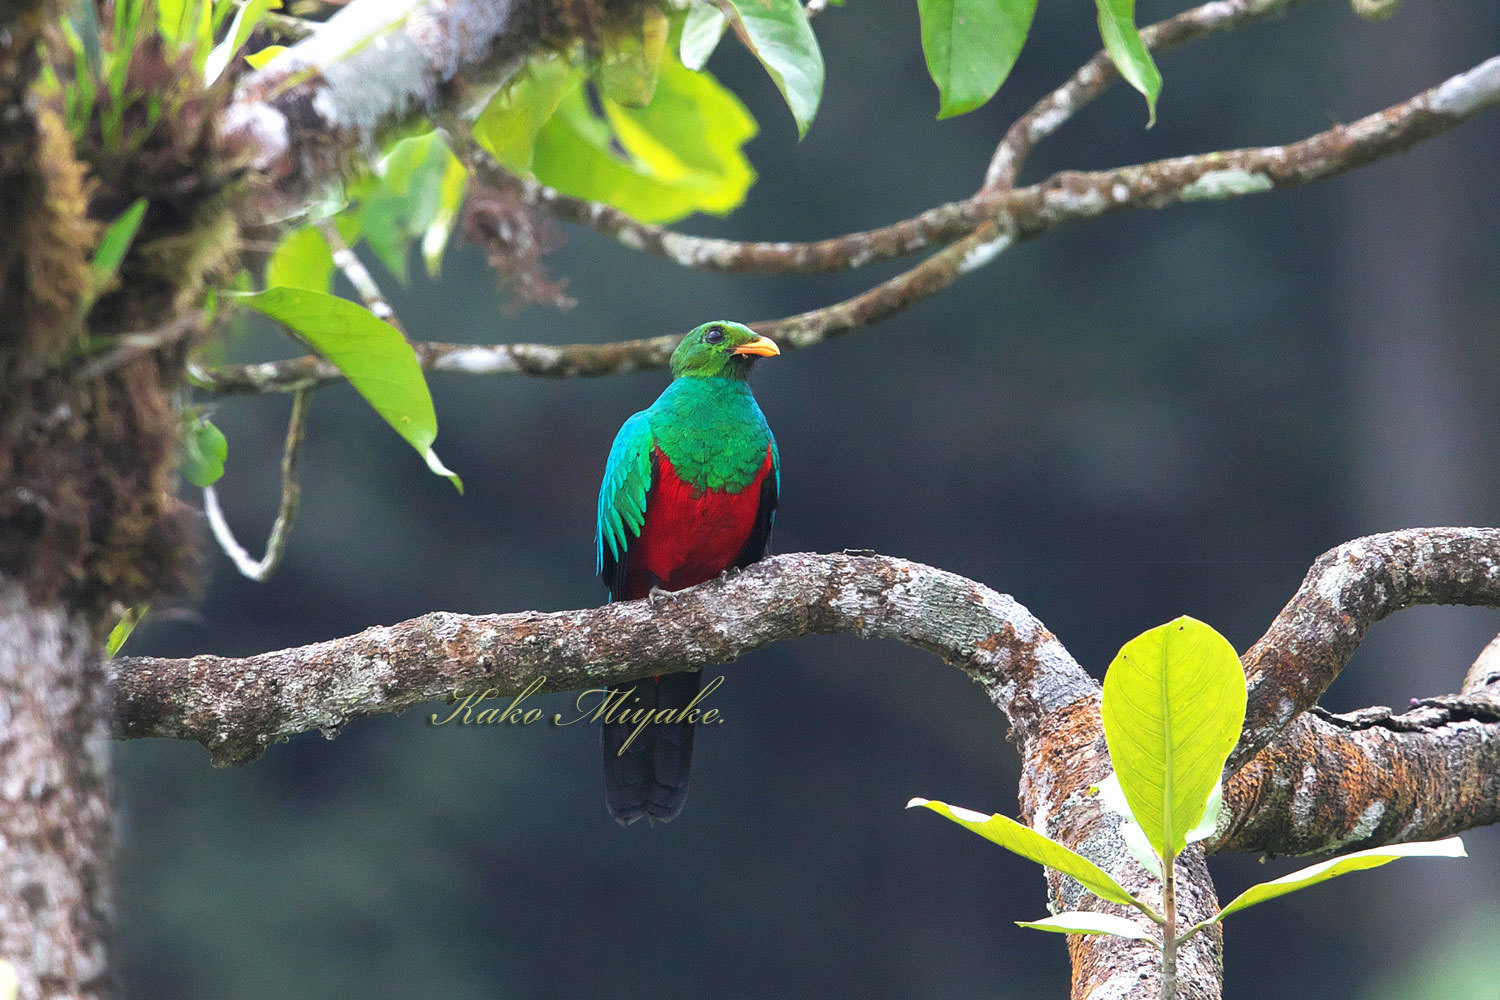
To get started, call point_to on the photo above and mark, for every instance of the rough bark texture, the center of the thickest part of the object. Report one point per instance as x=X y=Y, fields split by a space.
x=1321 y=782
x=55 y=911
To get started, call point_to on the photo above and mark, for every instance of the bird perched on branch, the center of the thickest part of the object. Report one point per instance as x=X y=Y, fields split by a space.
x=689 y=493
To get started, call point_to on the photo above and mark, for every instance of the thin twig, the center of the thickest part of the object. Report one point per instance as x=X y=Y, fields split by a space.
x=359 y=276
x=1095 y=77
x=127 y=347
x=281 y=530
x=1015 y=215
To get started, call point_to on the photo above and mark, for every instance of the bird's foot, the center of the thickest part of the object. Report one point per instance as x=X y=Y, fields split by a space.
x=731 y=572
x=655 y=594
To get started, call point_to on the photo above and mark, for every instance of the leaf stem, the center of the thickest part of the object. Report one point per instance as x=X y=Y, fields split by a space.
x=1169 y=929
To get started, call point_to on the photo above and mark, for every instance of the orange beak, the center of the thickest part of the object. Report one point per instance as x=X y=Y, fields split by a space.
x=764 y=347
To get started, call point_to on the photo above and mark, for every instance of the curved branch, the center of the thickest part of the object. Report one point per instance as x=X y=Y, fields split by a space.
x=237 y=707
x=1015 y=215
x=1347 y=590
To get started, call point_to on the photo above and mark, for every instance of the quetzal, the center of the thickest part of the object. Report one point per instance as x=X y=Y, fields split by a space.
x=689 y=493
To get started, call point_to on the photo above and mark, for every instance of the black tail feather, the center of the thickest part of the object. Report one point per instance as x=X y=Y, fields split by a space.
x=650 y=778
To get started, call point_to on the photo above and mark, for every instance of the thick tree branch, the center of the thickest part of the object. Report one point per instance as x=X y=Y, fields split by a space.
x=1347 y=590
x=236 y=708
x=1012 y=215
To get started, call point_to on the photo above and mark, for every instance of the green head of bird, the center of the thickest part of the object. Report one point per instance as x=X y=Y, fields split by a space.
x=720 y=349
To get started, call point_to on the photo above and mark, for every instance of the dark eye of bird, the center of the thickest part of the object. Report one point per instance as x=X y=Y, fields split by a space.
x=714 y=336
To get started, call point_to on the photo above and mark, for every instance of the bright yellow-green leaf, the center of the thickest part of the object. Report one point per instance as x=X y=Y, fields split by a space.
x=245 y=20
x=627 y=71
x=405 y=198
x=1174 y=703
x=509 y=124
x=778 y=33
x=682 y=153
x=455 y=183
x=117 y=240
x=372 y=354
x=301 y=260
x=1084 y=922
x=971 y=46
x=258 y=60
x=117 y=636
x=1451 y=847
x=1034 y=846
x=1126 y=50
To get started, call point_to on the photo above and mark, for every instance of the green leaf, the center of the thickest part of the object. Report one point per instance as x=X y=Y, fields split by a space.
x=701 y=31
x=245 y=20
x=301 y=260
x=117 y=240
x=509 y=124
x=203 y=452
x=371 y=353
x=1451 y=847
x=971 y=46
x=779 y=35
x=627 y=71
x=1174 y=702
x=1033 y=846
x=405 y=198
x=126 y=625
x=1126 y=50
x=258 y=60
x=681 y=154
x=1083 y=922
x=455 y=183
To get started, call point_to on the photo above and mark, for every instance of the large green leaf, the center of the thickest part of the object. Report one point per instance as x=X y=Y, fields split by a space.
x=1034 y=846
x=509 y=124
x=701 y=30
x=301 y=260
x=627 y=70
x=1174 y=703
x=1451 y=847
x=1126 y=50
x=778 y=33
x=971 y=46
x=372 y=354
x=1085 y=922
x=681 y=153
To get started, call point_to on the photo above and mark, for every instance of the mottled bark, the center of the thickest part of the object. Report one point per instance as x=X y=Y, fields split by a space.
x=55 y=911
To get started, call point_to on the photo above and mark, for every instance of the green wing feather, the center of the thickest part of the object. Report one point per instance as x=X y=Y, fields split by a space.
x=622 y=495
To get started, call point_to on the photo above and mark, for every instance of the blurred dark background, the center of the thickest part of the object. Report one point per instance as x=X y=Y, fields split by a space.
x=1134 y=418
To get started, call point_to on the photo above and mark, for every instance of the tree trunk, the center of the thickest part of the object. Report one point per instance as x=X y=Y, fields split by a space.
x=55 y=908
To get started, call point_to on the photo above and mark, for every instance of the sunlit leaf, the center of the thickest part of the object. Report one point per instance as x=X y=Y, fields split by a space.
x=1083 y=922
x=627 y=71
x=116 y=241
x=509 y=124
x=1452 y=847
x=971 y=46
x=258 y=60
x=701 y=31
x=301 y=260
x=681 y=154
x=1126 y=50
x=455 y=183
x=1034 y=846
x=204 y=450
x=1174 y=703
x=405 y=198
x=778 y=33
x=372 y=354
x=245 y=20
x=117 y=636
